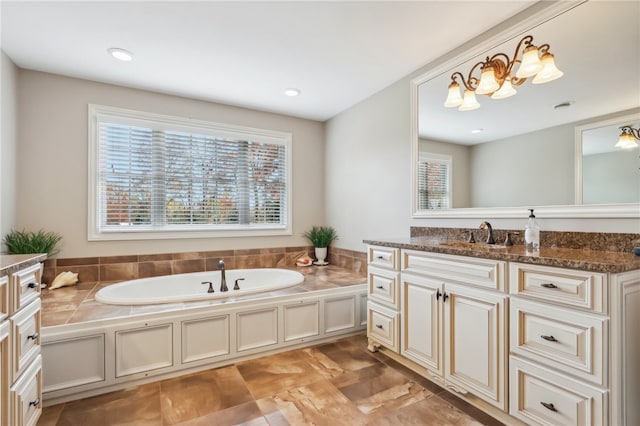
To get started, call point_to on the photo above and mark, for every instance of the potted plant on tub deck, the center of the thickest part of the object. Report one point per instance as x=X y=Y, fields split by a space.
x=321 y=237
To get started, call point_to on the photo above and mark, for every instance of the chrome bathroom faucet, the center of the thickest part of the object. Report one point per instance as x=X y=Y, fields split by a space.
x=223 y=282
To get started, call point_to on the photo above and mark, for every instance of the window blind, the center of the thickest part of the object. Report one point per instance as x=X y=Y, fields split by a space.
x=433 y=183
x=155 y=178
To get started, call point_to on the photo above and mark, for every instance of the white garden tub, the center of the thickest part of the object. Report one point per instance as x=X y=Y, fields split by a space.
x=190 y=287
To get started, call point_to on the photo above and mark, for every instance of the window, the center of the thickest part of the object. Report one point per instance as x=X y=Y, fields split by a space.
x=154 y=176
x=434 y=181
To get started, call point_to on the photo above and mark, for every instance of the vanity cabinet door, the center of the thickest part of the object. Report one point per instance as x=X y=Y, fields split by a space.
x=421 y=338
x=474 y=342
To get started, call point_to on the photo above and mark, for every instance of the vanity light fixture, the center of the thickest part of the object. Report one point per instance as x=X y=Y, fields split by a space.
x=627 y=139
x=120 y=54
x=496 y=79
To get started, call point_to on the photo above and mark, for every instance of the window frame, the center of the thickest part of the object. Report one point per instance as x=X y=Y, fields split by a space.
x=447 y=160
x=98 y=113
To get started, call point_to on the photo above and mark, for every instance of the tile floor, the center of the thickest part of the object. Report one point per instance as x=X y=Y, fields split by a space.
x=337 y=383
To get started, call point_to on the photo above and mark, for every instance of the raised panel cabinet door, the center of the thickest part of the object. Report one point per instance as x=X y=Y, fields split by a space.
x=205 y=338
x=474 y=342
x=257 y=329
x=421 y=336
x=144 y=349
x=301 y=320
x=87 y=365
x=340 y=314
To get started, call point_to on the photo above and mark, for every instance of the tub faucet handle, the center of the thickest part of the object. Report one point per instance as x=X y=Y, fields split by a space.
x=210 y=286
x=236 y=286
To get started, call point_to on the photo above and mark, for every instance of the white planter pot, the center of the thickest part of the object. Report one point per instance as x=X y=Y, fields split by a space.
x=321 y=255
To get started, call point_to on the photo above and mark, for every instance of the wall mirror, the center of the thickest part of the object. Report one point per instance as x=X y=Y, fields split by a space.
x=537 y=148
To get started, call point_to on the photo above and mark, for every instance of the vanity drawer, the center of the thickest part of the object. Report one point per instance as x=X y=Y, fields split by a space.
x=383 y=287
x=386 y=257
x=26 y=396
x=541 y=397
x=568 y=287
x=25 y=329
x=382 y=326
x=574 y=342
x=25 y=286
x=486 y=273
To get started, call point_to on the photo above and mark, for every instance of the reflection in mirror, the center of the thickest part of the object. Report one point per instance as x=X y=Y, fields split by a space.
x=520 y=151
x=610 y=174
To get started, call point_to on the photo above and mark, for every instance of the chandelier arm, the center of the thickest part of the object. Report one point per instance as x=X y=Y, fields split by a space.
x=544 y=49
x=527 y=40
x=473 y=81
x=503 y=66
x=634 y=132
x=464 y=82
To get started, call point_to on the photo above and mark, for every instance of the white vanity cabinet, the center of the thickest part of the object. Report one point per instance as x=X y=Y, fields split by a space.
x=453 y=325
x=383 y=307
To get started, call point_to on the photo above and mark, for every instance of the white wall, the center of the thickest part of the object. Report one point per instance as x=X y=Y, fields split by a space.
x=461 y=168
x=52 y=162
x=8 y=109
x=611 y=177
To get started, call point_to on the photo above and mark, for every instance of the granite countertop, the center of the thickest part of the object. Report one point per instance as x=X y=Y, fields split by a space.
x=10 y=263
x=583 y=259
x=76 y=304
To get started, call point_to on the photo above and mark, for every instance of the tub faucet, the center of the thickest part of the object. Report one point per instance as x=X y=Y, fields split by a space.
x=487 y=225
x=223 y=282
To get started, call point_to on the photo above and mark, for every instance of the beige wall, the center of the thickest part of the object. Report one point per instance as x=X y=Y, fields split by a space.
x=52 y=162
x=8 y=142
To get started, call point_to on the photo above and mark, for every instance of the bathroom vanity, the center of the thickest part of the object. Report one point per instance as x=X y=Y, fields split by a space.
x=549 y=338
x=20 y=359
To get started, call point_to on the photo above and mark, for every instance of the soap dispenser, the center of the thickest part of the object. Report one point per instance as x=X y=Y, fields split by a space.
x=532 y=234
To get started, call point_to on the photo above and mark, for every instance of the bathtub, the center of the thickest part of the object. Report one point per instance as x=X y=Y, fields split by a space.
x=189 y=287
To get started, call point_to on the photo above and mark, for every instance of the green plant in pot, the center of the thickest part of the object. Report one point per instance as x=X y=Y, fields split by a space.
x=321 y=237
x=28 y=242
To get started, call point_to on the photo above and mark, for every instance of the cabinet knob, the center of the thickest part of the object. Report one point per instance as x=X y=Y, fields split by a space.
x=33 y=336
x=35 y=402
x=445 y=296
x=549 y=338
x=549 y=285
x=549 y=406
x=438 y=294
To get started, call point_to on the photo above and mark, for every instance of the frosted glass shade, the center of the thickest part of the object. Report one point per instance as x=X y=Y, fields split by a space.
x=626 y=141
x=469 y=101
x=488 y=83
x=505 y=90
x=454 y=98
x=531 y=64
x=549 y=70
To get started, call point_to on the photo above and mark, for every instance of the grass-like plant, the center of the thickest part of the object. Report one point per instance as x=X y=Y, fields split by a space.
x=27 y=242
x=321 y=236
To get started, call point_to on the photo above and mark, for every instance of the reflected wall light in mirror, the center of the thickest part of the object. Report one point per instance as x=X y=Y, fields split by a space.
x=627 y=139
x=526 y=154
x=496 y=78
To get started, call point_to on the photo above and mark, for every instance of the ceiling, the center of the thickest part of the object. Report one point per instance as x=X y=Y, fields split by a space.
x=246 y=53
x=596 y=45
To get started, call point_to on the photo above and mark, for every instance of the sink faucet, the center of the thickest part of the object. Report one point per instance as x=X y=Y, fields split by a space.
x=223 y=282
x=487 y=225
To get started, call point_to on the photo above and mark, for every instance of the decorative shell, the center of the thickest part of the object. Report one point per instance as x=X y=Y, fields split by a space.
x=304 y=261
x=64 y=279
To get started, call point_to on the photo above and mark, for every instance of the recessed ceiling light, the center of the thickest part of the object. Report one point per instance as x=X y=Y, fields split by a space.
x=477 y=131
x=120 y=54
x=292 y=92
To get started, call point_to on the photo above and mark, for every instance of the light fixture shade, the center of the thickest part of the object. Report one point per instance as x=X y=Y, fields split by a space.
x=531 y=64
x=454 y=98
x=505 y=90
x=469 y=102
x=488 y=83
x=549 y=70
x=626 y=141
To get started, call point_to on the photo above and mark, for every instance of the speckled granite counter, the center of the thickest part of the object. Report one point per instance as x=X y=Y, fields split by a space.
x=584 y=259
x=76 y=304
x=10 y=263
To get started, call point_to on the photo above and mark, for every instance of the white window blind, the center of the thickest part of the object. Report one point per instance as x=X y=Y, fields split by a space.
x=434 y=181
x=156 y=174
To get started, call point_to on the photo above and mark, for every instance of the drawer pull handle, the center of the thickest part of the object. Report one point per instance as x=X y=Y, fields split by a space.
x=380 y=287
x=549 y=338
x=379 y=326
x=549 y=285
x=445 y=296
x=35 y=402
x=438 y=294
x=549 y=406
x=32 y=285
x=33 y=336
x=380 y=257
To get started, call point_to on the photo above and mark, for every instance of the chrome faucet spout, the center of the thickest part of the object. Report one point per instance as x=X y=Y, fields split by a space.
x=223 y=281
x=487 y=225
